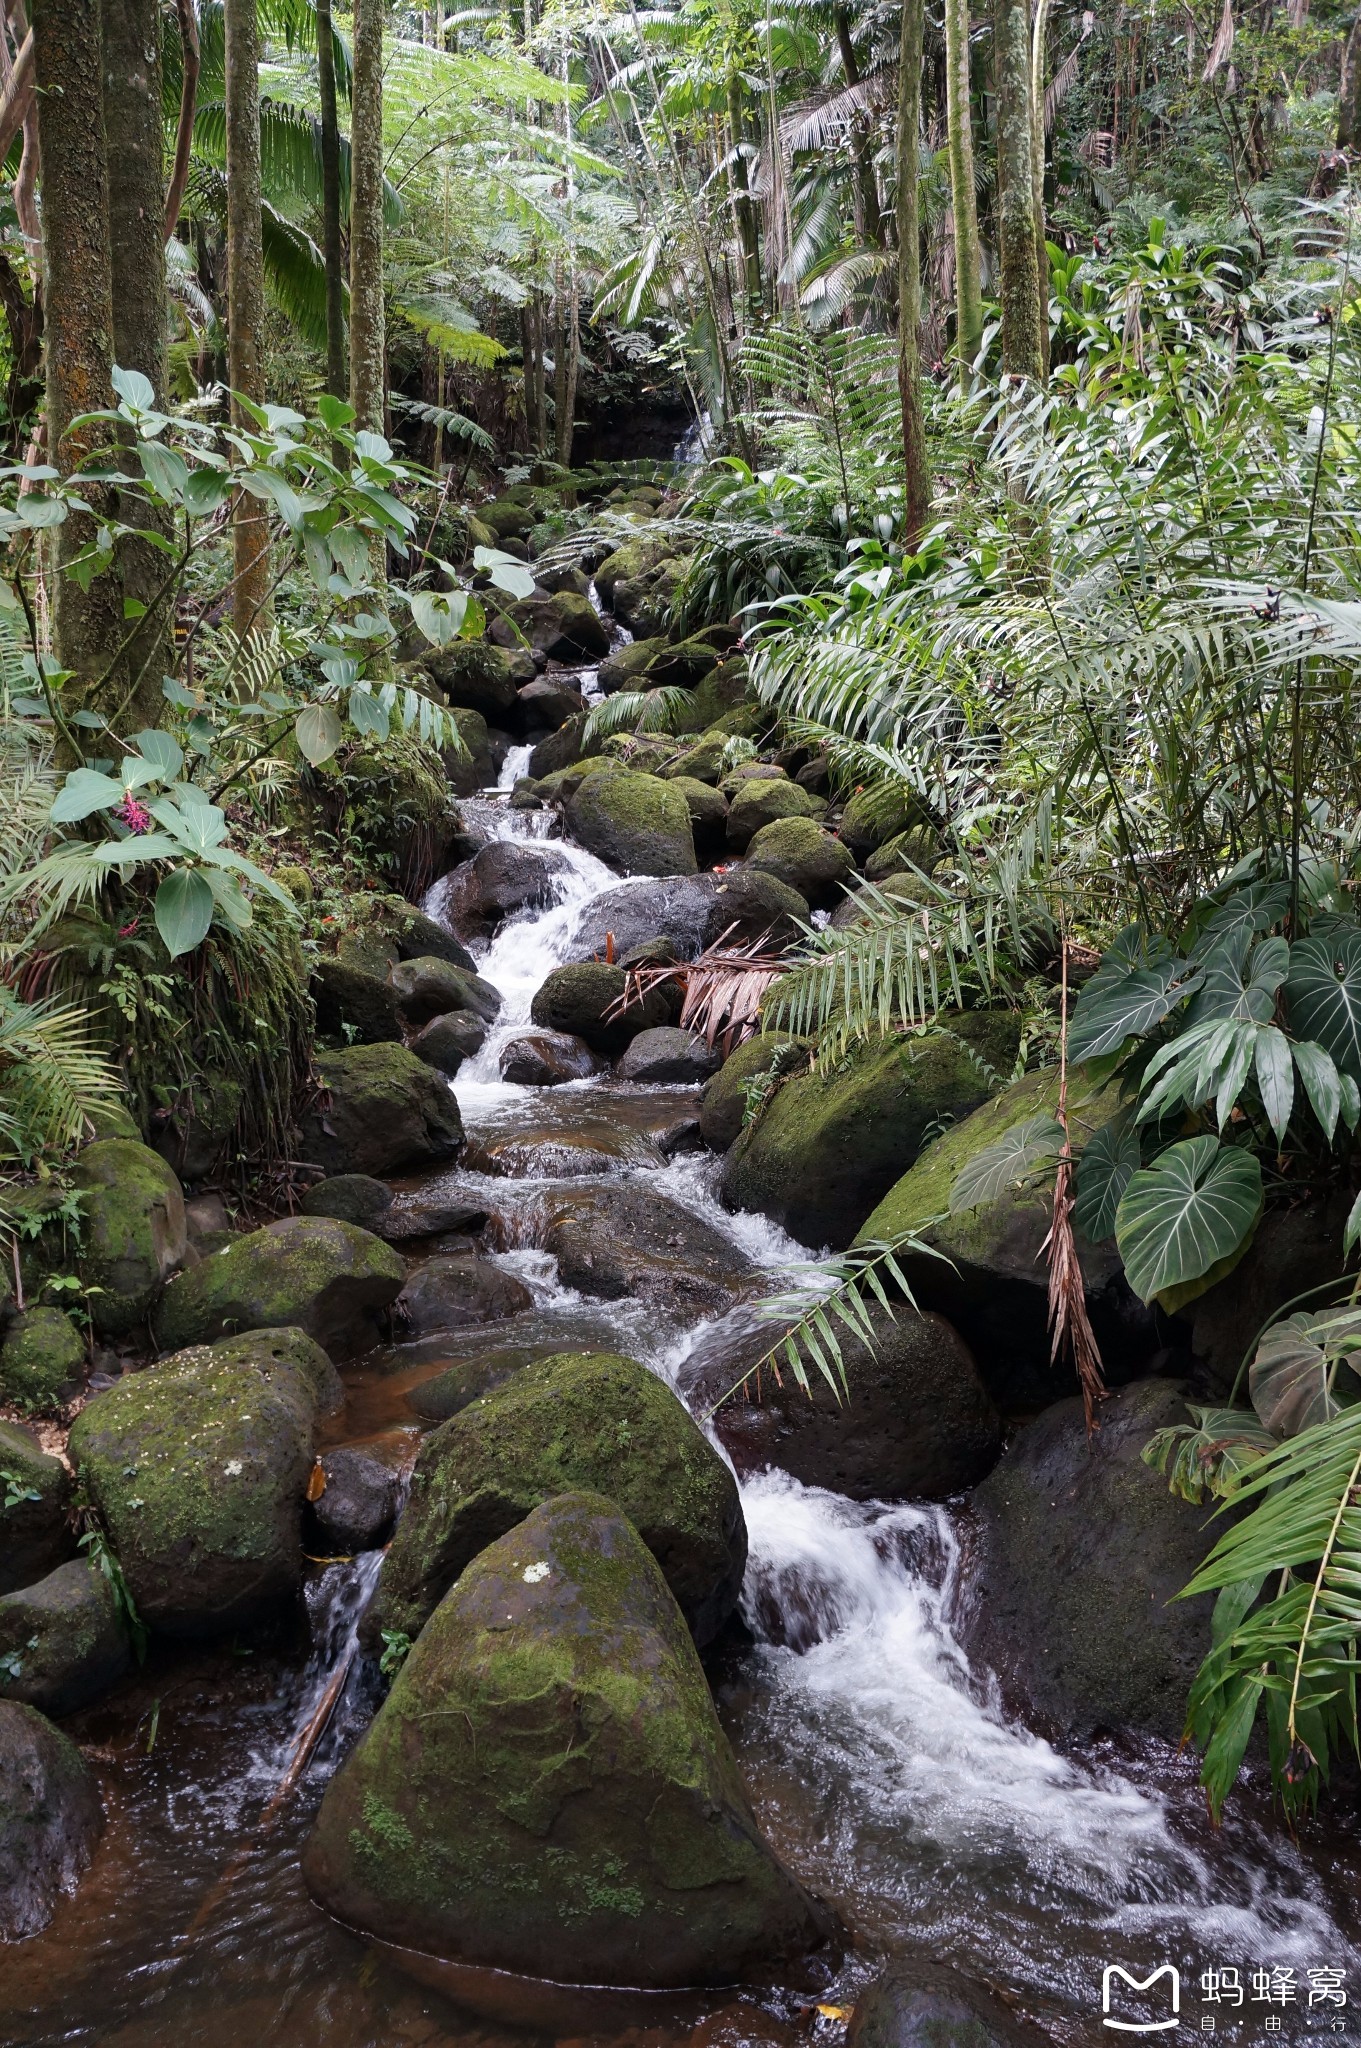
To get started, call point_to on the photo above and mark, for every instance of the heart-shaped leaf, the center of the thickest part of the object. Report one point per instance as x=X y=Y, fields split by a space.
x=1292 y=1381
x=1125 y=1005
x=162 y=750
x=1194 y=1209
x=1109 y=1160
x=184 y=910
x=1323 y=990
x=318 y=733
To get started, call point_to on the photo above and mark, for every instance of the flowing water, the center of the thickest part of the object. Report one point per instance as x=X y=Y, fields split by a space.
x=883 y=1767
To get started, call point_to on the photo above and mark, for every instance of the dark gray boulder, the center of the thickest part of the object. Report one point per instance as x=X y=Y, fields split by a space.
x=581 y=1000
x=358 y=1505
x=353 y=1004
x=737 y=1087
x=678 y=908
x=35 y=1494
x=382 y=1110
x=447 y=1041
x=666 y=1054
x=62 y=1642
x=921 y=2005
x=350 y=1198
x=429 y=988
x=749 y=905
x=50 y=1819
x=545 y=1059
x=617 y=1238
x=446 y=1293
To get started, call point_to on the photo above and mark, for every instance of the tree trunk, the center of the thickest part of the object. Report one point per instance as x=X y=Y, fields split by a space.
x=1349 y=91
x=748 y=225
x=245 y=299
x=78 y=308
x=917 y=473
x=132 y=113
x=1037 y=73
x=368 y=383
x=963 y=192
x=565 y=381
x=331 y=247
x=1022 y=355
x=866 y=188
x=184 y=131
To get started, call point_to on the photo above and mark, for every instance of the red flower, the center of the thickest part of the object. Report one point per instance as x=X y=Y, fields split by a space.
x=135 y=816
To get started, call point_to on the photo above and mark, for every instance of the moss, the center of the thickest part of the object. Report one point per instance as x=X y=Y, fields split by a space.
x=113 y=1120
x=723 y=690
x=723 y=1105
x=62 y=1641
x=34 y=1536
x=312 y=1273
x=757 y=802
x=701 y=763
x=874 y=816
x=638 y=823
x=42 y=1359
x=384 y=1110
x=630 y=561
x=799 y=853
x=578 y=998
x=133 y=1233
x=575 y=1419
x=923 y=1193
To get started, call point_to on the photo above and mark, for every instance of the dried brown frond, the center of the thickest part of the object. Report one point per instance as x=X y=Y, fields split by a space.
x=1070 y=1326
x=723 y=989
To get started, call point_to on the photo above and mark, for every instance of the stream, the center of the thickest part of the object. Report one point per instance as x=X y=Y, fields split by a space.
x=882 y=1767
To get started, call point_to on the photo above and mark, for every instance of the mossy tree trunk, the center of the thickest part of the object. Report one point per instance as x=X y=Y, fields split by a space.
x=331 y=244
x=78 y=309
x=1349 y=91
x=870 y=222
x=963 y=191
x=132 y=114
x=1019 y=285
x=748 y=222
x=368 y=352
x=1038 y=42
x=917 y=473
x=245 y=298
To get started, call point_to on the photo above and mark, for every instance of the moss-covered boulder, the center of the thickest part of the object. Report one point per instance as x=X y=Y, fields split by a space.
x=828 y=1146
x=749 y=905
x=546 y=705
x=918 y=1424
x=614 y=1237
x=42 y=1360
x=668 y=1056
x=637 y=823
x=133 y=1231
x=724 y=1105
x=547 y=1788
x=703 y=762
x=382 y=1110
x=63 y=1641
x=429 y=988
x=353 y=1005
x=758 y=801
x=35 y=1494
x=627 y=667
x=992 y=1282
x=801 y=855
x=385 y=929
x=473 y=765
x=573 y=1419
x=724 y=689
x=476 y=676
x=510 y=517
x=916 y=851
x=708 y=808
x=198 y=1133
x=1082 y=1551
x=50 y=1819
x=874 y=816
x=560 y=624
x=311 y=1273
x=632 y=559
x=198 y=1467
x=643 y=603
x=580 y=999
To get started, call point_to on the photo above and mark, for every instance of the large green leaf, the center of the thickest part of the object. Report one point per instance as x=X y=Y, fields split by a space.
x=1241 y=979
x=1323 y=990
x=1182 y=1217
x=1018 y=1155
x=318 y=733
x=1292 y=1380
x=1109 y=1011
x=1109 y=1160
x=184 y=910
x=85 y=791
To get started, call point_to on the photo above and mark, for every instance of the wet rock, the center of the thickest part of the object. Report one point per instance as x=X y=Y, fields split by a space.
x=1081 y=1551
x=636 y=823
x=750 y=906
x=62 y=1641
x=198 y=1466
x=643 y=603
x=468 y=1379
x=617 y=1240
x=562 y=625
x=354 y=1005
x=50 y=1819
x=446 y=1293
x=918 y=1423
x=560 y=750
x=708 y=810
x=633 y=559
x=724 y=1104
x=501 y=880
x=905 y=890
x=920 y=2005
x=545 y=1059
x=310 y=1273
x=569 y=577
x=827 y=1146
x=678 y=908
x=572 y=1419
x=445 y=1042
x=475 y=676
x=724 y=689
x=35 y=1494
x=992 y=1281
x=432 y=1215
x=579 y=999
x=668 y=1055
x=350 y=1198
x=358 y=1506
x=207 y=1223
x=473 y=768
x=545 y=707
x=133 y=1235
x=394 y=930
x=581 y=1781
x=804 y=857
x=429 y=988
x=757 y=803
x=384 y=1110
x=42 y=1360
x=509 y=517
x=627 y=667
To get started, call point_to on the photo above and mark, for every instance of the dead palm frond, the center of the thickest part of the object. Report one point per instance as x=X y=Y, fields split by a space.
x=723 y=988
x=1070 y=1326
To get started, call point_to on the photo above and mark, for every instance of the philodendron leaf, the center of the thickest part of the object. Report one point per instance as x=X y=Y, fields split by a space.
x=184 y=910
x=1291 y=1381
x=318 y=733
x=1186 y=1219
x=1125 y=1006
x=1241 y=979
x=1323 y=990
x=1018 y=1155
x=1109 y=1160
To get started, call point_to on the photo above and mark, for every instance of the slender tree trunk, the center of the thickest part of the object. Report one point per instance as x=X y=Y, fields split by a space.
x=78 y=310
x=917 y=472
x=184 y=132
x=866 y=188
x=1349 y=91
x=1022 y=355
x=1038 y=41
x=963 y=192
x=245 y=297
x=748 y=224
x=331 y=246
x=568 y=362
x=132 y=113
x=368 y=380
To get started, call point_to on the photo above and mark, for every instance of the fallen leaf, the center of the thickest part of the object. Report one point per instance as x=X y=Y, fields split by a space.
x=316 y=1481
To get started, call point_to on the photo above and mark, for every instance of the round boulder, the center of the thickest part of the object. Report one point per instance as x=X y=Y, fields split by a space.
x=801 y=855
x=447 y=1293
x=132 y=1211
x=42 y=1360
x=666 y=1054
x=35 y=1493
x=757 y=802
x=429 y=988
x=749 y=905
x=383 y=1110
x=708 y=809
x=353 y=1004
x=358 y=1505
x=50 y=1819
x=636 y=823
x=62 y=1642
x=735 y=1090
x=350 y=1198
x=500 y=880
x=618 y=1238
x=545 y=1059
x=678 y=908
x=918 y=2005
x=310 y=1273
x=580 y=1000
x=474 y=676
x=445 y=1042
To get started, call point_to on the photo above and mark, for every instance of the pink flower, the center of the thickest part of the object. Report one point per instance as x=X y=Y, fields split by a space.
x=125 y=931
x=135 y=816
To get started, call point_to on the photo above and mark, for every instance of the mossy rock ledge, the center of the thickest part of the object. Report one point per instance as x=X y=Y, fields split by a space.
x=383 y=1111
x=198 y=1467
x=35 y=1536
x=313 y=1273
x=547 y=1789
x=992 y=1282
x=573 y=1420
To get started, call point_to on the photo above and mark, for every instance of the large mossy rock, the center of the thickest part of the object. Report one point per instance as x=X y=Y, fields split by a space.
x=916 y=1422
x=579 y=1001
x=50 y=1819
x=632 y=559
x=759 y=801
x=992 y=1281
x=547 y=1789
x=383 y=1111
x=636 y=823
x=749 y=906
x=35 y=1535
x=311 y=1273
x=723 y=1107
x=198 y=1467
x=354 y=1005
x=133 y=1231
x=875 y=816
x=431 y=988
x=63 y=1641
x=560 y=624
x=828 y=1146
x=577 y=1419
x=42 y=1360
x=801 y=855
x=476 y=676
x=921 y=2005
x=1081 y=1551
x=501 y=880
